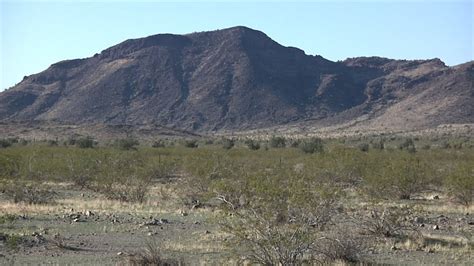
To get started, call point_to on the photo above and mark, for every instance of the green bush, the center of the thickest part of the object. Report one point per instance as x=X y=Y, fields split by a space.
x=363 y=147
x=312 y=145
x=399 y=176
x=277 y=142
x=252 y=144
x=228 y=144
x=84 y=143
x=28 y=193
x=408 y=145
x=190 y=143
x=126 y=144
x=378 y=144
x=460 y=183
x=52 y=142
x=4 y=143
x=158 y=144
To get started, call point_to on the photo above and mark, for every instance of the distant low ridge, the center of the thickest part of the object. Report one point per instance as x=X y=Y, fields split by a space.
x=239 y=79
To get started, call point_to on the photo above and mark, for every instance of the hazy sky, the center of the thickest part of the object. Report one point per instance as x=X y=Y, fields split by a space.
x=37 y=34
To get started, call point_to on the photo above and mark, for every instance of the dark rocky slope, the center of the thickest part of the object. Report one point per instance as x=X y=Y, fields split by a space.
x=239 y=79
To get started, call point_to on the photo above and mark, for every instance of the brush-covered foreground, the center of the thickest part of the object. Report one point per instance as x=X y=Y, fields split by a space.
x=228 y=201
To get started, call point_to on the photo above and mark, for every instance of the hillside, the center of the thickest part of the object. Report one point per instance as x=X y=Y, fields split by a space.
x=239 y=79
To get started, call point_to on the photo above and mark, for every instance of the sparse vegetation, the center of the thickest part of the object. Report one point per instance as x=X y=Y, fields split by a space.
x=277 y=142
x=252 y=144
x=460 y=183
x=228 y=143
x=83 y=143
x=311 y=145
x=277 y=206
x=150 y=255
x=126 y=144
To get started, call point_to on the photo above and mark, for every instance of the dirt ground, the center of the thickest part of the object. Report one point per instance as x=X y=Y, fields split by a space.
x=82 y=227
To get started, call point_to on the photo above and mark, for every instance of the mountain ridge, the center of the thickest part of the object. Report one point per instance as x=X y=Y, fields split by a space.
x=239 y=79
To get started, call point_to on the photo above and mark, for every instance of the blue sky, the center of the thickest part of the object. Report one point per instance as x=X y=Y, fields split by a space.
x=36 y=34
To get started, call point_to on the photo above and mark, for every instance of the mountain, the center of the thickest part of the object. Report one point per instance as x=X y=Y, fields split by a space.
x=239 y=79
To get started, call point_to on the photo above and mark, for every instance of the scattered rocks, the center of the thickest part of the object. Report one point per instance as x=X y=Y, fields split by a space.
x=435 y=197
x=89 y=213
x=183 y=213
x=156 y=222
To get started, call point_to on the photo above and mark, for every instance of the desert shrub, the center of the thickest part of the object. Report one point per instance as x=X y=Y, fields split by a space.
x=252 y=144
x=426 y=147
x=363 y=147
x=295 y=143
x=4 y=143
x=408 y=144
x=398 y=176
x=71 y=141
x=28 y=193
x=9 y=166
x=378 y=144
x=445 y=145
x=82 y=169
x=346 y=248
x=288 y=233
x=460 y=183
x=150 y=255
x=130 y=189
x=386 y=222
x=191 y=143
x=124 y=176
x=7 y=219
x=126 y=144
x=311 y=145
x=228 y=144
x=84 y=143
x=52 y=142
x=13 y=241
x=277 y=142
x=341 y=166
x=158 y=144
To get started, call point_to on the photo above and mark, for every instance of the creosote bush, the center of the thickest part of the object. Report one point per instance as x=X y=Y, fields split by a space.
x=277 y=142
x=158 y=144
x=28 y=193
x=386 y=222
x=4 y=143
x=84 y=143
x=191 y=143
x=312 y=145
x=127 y=143
x=398 y=176
x=227 y=144
x=150 y=255
x=460 y=183
x=252 y=144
